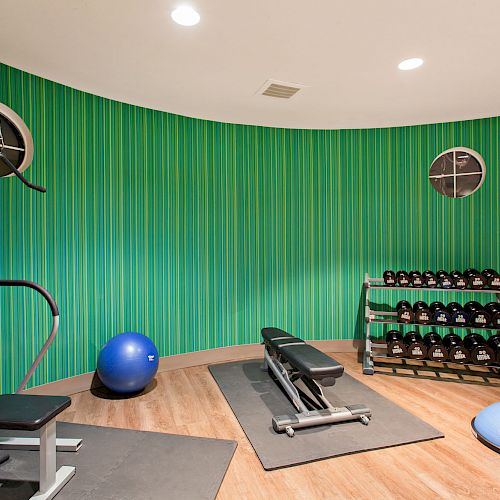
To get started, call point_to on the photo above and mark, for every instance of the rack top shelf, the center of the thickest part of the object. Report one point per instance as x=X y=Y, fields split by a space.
x=467 y=327
x=415 y=288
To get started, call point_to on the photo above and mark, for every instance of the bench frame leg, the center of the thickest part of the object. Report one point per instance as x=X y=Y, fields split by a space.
x=51 y=480
x=47 y=455
x=281 y=374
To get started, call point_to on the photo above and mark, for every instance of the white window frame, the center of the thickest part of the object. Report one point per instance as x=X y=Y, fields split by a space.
x=471 y=152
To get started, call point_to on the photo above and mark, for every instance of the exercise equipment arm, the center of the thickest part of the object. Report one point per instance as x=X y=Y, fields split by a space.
x=20 y=176
x=55 y=324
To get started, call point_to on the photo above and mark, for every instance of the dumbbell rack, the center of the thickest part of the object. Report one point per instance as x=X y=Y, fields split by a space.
x=390 y=318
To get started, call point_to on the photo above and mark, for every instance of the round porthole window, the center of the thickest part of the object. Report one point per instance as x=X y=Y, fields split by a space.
x=457 y=172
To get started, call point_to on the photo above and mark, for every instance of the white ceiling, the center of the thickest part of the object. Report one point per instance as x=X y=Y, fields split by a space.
x=345 y=51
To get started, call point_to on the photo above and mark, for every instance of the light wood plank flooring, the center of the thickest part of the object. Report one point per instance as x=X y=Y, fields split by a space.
x=188 y=401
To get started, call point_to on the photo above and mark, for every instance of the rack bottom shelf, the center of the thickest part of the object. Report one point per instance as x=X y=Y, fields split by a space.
x=410 y=362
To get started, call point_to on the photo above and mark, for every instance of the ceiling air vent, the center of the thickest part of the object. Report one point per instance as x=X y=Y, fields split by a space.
x=281 y=90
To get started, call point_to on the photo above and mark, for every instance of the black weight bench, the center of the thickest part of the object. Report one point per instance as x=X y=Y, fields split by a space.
x=301 y=370
x=38 y=413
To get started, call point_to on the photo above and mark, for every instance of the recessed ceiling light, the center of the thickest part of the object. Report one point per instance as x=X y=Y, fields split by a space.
x=412 y=63
x=185 y=15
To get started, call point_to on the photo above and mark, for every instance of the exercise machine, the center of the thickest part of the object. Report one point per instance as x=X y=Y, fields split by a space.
x=26 y=412
x=38 y=413
x=63 y=444
x=32 y=413
x=302 y=370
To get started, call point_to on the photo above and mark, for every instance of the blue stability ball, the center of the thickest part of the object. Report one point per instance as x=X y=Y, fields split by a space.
x=486 y=426
x=128 y=362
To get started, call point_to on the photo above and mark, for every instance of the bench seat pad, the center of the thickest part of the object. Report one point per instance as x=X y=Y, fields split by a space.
x=29 y=412
x=304 y=357
x=312 y=362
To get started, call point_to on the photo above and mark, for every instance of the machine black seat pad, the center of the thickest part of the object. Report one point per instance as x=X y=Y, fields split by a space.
x=270 y=333
x=29 y=412
x=311 y=362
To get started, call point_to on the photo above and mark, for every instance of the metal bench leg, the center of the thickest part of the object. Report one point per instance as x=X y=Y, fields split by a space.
x=326 y=414
x=51 y=481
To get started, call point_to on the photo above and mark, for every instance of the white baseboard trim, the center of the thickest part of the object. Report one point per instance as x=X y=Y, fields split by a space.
x=80 y=383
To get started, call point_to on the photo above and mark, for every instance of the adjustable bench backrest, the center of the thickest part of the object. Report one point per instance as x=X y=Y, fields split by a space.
x=304 y=358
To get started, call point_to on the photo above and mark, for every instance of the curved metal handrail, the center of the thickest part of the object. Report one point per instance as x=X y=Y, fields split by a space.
x=55 y=324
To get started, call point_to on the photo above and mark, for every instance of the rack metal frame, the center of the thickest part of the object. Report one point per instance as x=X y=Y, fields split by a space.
x=388 y=318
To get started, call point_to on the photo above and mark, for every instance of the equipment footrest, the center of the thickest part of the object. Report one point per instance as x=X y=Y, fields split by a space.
x=63 y=475
x=33 y=443
x=322 y=417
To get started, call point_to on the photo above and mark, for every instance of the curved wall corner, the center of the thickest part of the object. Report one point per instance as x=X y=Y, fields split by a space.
x=199 y=233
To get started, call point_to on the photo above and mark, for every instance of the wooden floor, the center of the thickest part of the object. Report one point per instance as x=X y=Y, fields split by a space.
x=187 y=401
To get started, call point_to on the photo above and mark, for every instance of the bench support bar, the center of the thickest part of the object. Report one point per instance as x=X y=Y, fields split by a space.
x=307 y=416
x=282 y=375
x=33 y=443
x=321 y=417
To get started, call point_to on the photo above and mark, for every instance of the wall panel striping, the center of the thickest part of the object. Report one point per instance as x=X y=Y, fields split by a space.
x=199 y=233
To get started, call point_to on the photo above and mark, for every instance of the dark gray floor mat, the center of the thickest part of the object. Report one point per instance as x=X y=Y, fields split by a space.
x=118 y=464
x=255 y=398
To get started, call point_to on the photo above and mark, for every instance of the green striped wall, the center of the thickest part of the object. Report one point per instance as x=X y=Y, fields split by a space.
x=199 y=233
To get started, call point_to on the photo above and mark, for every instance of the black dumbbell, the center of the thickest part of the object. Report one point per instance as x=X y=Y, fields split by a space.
x=494 y=343
x=395 y=345
x=416 y=279
x=478 y=316
x=405 y=312
x=457 y=353
x=430 y=279
x=493 y=308
x=475 y=279
x=492 y=278
x=435 y=348
x=480 y=352
x=402 y=278
x=415 y=345
x=459 y=317
x=440 y=315
x=389 y=278
x=422 y=313
x=444 y=279
x=459 y=280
